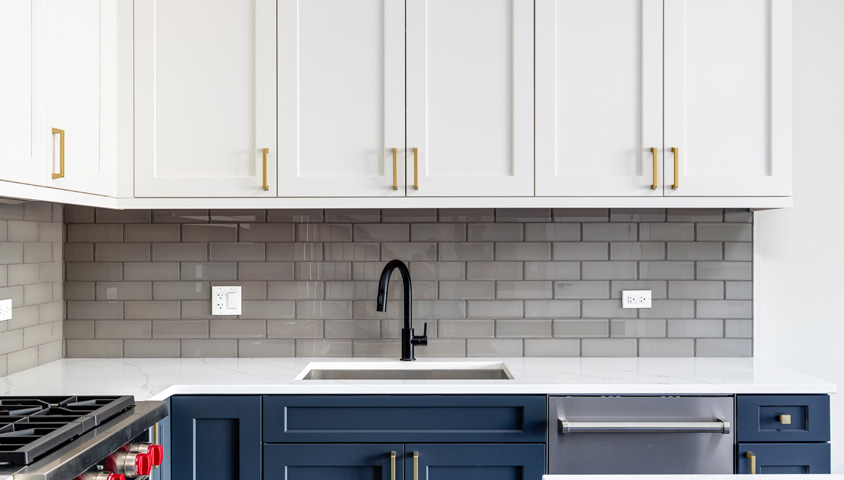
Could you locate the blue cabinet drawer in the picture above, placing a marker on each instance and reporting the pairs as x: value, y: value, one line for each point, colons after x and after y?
x: 416, y: 418
x: 784, y: 458
x: 782, y: 418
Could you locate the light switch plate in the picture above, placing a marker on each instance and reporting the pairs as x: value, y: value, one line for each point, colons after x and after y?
x: 6, y: 309
x: 636, y: 299
x: 225, y: 301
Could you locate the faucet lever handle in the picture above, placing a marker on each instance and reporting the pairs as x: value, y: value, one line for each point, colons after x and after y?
x: 421, y: 340
x: 425, y: 331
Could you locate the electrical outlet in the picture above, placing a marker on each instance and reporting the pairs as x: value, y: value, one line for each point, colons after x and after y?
x: 636, y: 299
x: 6, y: 309
x: 225, y: 301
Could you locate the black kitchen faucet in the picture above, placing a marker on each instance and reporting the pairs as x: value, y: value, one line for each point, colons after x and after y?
x: 408, y: 339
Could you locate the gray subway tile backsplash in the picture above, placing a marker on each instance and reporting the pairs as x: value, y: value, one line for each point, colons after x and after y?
x: 506, y: 282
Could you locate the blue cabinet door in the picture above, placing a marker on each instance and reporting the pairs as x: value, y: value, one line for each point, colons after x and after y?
x: 474, y: 461
x: 333, y: 462
x: 784, y: 458
x: 216, y: 437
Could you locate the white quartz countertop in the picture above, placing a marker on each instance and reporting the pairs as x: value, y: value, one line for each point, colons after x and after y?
x: 826, y: 476
x: 159, y: 378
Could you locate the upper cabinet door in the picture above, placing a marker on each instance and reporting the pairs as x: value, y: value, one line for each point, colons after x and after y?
x: 728, y: 97
x: 341, y: 98
x: 205, y: 98
x: 470, y: 98
x: 81, y: 130
x: 22, y: 104
x: 598, y: 98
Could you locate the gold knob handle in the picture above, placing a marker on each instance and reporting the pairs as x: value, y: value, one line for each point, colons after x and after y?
x: 676, y: 152
x: 656, y: 181
x: 265, y: 151
x: 415, y: 168
x: 785, y: 419
x: 752, y: 458
x: 61, y: 153
x: 415, y: 464
x: 393, y: 460
x: 395, y: 171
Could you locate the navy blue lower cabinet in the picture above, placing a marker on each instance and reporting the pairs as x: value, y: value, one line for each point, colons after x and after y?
x: 474, y: 461
x: 342, y: 461
x: 215, y: 437
x: 784, y: 458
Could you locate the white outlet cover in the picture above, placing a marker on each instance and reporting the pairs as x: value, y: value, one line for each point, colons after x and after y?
x: 636, y: 299
x: 6, y: 309
x: 225, y: 301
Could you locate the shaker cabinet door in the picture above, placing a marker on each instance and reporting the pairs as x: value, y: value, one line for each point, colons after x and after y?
x: 205, y: 98
x: 470, y: 98
x: 599, y: 98
x: 341, y: 98
x: 728, y: 97
x: 474, y: 461
x: 333, y: 461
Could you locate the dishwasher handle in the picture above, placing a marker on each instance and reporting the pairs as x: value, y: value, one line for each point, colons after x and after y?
x: 718, y: 426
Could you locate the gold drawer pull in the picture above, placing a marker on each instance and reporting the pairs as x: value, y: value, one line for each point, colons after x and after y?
x: 656, y: 181
x: 60, y: 132
x: 676, y: 152
x: 785, y: 419
x: 393, y: 455
x: 415, y: 168
x: 395, y: 172
x: 265, y: 151
x: 752, y: 458
x: 415, y: 464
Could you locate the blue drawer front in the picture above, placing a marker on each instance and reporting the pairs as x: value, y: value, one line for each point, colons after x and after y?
x: 758, y: 418
x: 784, y: 458
x: 476, y: 462
x: 331, y: 461
x: 335, y: 419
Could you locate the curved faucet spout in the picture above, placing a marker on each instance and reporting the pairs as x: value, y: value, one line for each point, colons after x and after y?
x: 408, y: 340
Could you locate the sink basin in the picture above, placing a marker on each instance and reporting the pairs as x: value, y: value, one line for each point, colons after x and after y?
x: 405, y: 371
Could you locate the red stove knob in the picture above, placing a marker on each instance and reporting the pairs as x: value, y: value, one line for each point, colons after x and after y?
x: 130, y: 464
x: 116, y: 476
x: 100, y: 476
x: 155, y: 452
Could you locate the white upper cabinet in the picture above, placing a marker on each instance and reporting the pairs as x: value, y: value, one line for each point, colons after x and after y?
x: 598, y: 97
x: 470, y: 98
x: 81, y: 95
x: 205, y: 98
x: 22, y: 103
x: 341, y: 98
x: 728, y: 97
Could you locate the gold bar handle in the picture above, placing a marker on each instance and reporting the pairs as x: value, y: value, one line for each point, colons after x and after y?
x: 393, y: 455
x: 415, y: 460
x: 676, y: 152
x: 395, y: 171
x: 415, y: 168
x: 752, y: 458
x: 265, y: 151
x: 61, y: 153
x: 656, y: 181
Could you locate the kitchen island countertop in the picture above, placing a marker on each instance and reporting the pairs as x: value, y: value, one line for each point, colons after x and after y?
x: 822, y: 476
x: 159, y: 378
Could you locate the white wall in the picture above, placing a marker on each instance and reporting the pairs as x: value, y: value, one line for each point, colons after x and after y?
x: 800, y: 251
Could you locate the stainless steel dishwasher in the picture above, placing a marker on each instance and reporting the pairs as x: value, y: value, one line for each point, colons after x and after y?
x: 640, y: 435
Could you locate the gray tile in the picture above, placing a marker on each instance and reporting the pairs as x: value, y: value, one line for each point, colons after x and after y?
x: 266, y: 348
x: 150, y: 271
x: 265, y: 271
x: 494, y: 270
x: 208, y: 270
x: 493, y: 309
x: 122, y: 252
x: 608, y: 347
x: 198, y: 309
x: 578, y: 251
x: 180, y: 216
x: 50, y: 352
x: 104, y: 215
x: 634, y: 328
x: 375, y: 348
x: 726, y: 347
x: 667, y: 270
x: 467, y: 215
x: 72, y: 214
x: 23, y: 317
x: 725, y: 232
x: 528, y: 289
x: 353, y: 252
x: 364, y: 215
x: 436, y: 271
x: 438, y: 232
x: 696, y: 328
x: 152, y: 233
x: 295, y: 216
x: 695, y: 215
x: 149, y: 310
x: 432, y: 310
x: 552, y: 270
x: 11, y: 341
x: 209, y: 232
x: 197, y: 348
x: 270, y: 232
x: 323, y: 348
x: 725, y: 308
x: 738, y: 215
x: 357, y: 290
x: 38, y: 212
x: 552, y: 347
x: 317, y: 310
x: 371, y: 271
x: 180, y: 329
x: 408, y: 215
x: 382, y: 232
x: 42, y: 334
x: 238, y: 328
x: 523, y: 328
x: 79, y: 252
x: 724, y: 271
x: 182, y: 291
x: 50, y: 272
x: 581, y: 328
x: 662, y: 232
x: 94, y: 348
x: 612, y: 232
x: 695, y: 250
x: 466, y: 251
x: 22, y: 231
x: 297, y: 290
x: 739, y: 290
x: 575, y: 290
x: 242, y: 216
x: 552, y: 309
x: 523, y: 251
x: 659, y: 290
x: 4, y: 275
x: 152, y: 348
x: 94, y: 233
x: 352, y: 328
x: 409, y: 251
x: 607, y: 309
x: 466, y: 328
x: 499, y: 347
x: 495, y: 232
x: 13, y: 293
x: 552, y: 232
x: 738, y: 328
x: 270, y: 309
x: 37, y: 252
x: 463, y: 290
x: 23, y: 274
x: 298, y: 328
x: 50, y: 232
x: 50, y: 312
x: 581, y: 215
x: 123, y: 329
x: 655, y: 347
x: 124, y: 291
x: 608, y: 270
x: 443, y: 348
x: 694, y: 290
x: 523, y: 215
x: 669, y: 309
x: 86, y: 310
x: 4, y: 231
x: 302, y: 252
x: 738, y: 251
x: 13, y: 253
x: 242, y: 252
x: 323, y: 271
x: 324, y: 232
x: 185, y: 252
x: 79, y: 291
x: 637, y: 215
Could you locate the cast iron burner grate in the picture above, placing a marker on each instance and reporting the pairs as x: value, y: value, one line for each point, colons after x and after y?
x: 30, y: 427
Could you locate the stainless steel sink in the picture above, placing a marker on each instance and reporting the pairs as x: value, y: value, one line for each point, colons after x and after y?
x: 405, y: 371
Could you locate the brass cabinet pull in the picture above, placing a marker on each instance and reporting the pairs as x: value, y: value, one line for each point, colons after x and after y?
x: 676, y: 152
x: 752, y: 458
x: 415, y: 168
x: 61, y: 153
x: 656, y: 181
x: 265, y: 151
x: 785, y: 419
x: 415, y: 460
x: 395, y: 172
x: 393, y: 455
